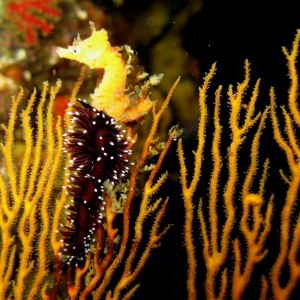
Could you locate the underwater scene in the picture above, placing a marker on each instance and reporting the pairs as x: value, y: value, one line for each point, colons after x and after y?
x: 149, y: 149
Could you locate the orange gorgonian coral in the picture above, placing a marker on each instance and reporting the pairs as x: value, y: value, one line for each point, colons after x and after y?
x: 34, y: 210
x: 234, y: 215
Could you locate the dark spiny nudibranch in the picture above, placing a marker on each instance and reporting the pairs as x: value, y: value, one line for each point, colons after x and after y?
x: 98, y: 152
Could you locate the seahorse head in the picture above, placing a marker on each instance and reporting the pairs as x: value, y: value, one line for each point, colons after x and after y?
x: 89, y: 51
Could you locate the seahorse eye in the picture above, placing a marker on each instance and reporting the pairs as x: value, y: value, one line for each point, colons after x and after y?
x: 75, y: 50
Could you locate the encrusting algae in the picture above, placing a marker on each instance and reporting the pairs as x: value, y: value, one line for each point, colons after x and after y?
x: 33, y: 211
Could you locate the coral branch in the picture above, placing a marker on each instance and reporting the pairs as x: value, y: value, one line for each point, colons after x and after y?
x: 289, y: 229
x: 31, y: 15
x: 30, y: 197
x: 189, y: 190
x: 130, y: 197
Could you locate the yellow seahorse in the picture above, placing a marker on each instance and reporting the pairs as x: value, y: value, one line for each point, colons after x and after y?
x: 109, y: 96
